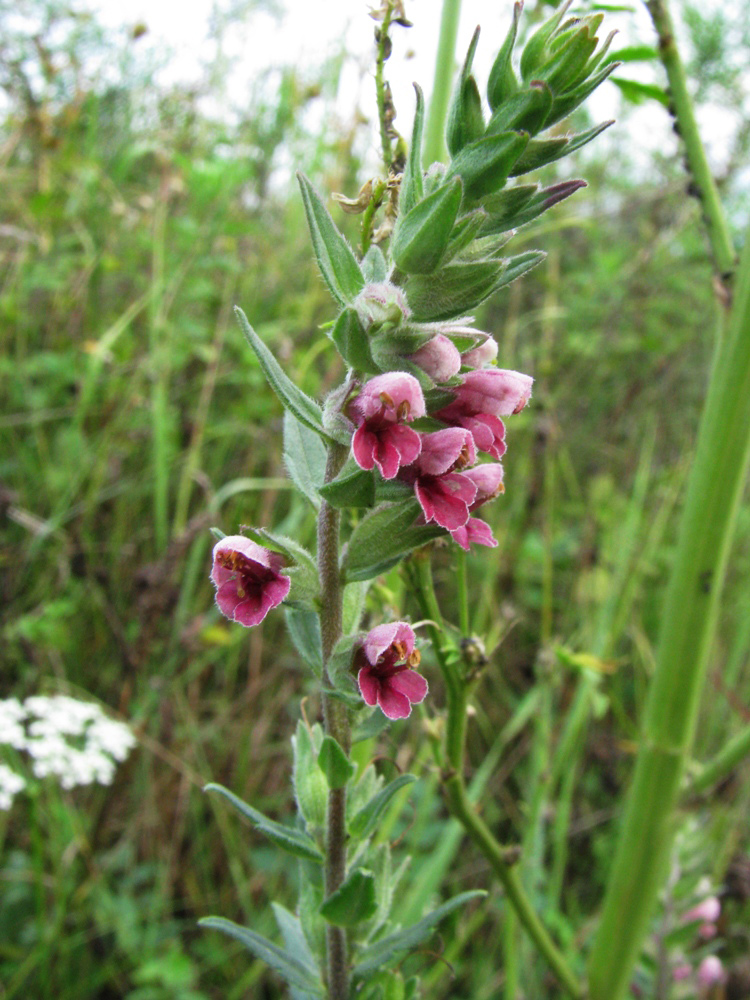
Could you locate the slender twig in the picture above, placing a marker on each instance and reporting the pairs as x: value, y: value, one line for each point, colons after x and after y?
x: 501, y: 858
x: 337, y: 724
x: 703, y: 184
x: 689, y: 619
x: 731, y: 756
x: 381, y: 87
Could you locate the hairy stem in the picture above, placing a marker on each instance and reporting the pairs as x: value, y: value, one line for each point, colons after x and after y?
x: 702, y: 179
x: 688, y: 626
x: 434, y: 142
x: 337, y: 724
x: 381, y: 88
x: 501, y: 858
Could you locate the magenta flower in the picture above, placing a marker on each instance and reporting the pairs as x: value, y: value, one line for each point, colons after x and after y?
x: 247, y: 580
x: 443, y: 492
x: 481, y: 399
x: 474, y: 532
x: 439, y: 358
x: 387, y: 678
x: 488, y: 479
x: 382, y: 439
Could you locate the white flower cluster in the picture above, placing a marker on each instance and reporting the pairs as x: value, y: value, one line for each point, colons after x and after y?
x: 72, y: 740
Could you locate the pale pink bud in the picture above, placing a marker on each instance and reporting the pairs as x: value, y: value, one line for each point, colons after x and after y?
x: 708, y: 911
x: 439, y: 358
x: 710, y: 971
x: 481, y: 355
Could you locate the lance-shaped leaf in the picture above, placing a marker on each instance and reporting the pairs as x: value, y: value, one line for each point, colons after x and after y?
x: 353, y: 902
x: 310, y: 786
x: 336, y: 261
x: 293, y: 841
x: 412, y: 182
x: 527, y: 110
x: 543, y: 200
x: 564, y: 105
x: 518, y: 265
x: 502, y: 82
x: 564, y: 69
x: 485, y: 165
x: 352, y: 342
x: 334, y: 763
x: 540, y: 152
x: 296, y: 944
x: 353, y: 487
x: 288, y: 966
x: 422, y: 235
x: 465, y: 118
x: 382, y: 951
x: 503, y: 208
x: 303, y: 626
x: 383, y: 537
x: 363, y: 823
x: 452, y: 291
x: 467, y: 227
x: 293, y: 399
x: 535, y: 50
x: 304, y: 458
x: 374, y: 265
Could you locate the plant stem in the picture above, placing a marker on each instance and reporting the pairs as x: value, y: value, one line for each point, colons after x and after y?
x: 501, y: 858
x: 434, y: 142
x: 723, y: 763
x: 688, y: 626
x: 681, y: 107
x: 336, y: 718
x: 381, y: 89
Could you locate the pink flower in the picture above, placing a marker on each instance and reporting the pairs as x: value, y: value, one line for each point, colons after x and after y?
x: 710, y: 971
x: 247, y: 580
x: 386, y: 679
x: 482, y: 398
x: 439, y: 358
x: 444, y: 493
x: 708, y: 911
x: 484, y: 354
x: 682, y: 971
x: 475, y: 531
x: 380, y: 409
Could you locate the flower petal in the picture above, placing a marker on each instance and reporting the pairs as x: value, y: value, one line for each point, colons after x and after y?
x: 394, y: 704
x: 442, y: 449
x: 411, y: 684
x: 369, y: 686
x: 382, y: 637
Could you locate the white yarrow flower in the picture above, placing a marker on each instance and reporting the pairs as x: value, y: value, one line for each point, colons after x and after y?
x: 10, y: 784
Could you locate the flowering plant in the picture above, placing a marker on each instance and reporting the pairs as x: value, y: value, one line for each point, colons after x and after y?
x: 402, y: 453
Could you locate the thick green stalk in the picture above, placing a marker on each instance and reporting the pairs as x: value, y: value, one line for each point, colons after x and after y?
x: 682, y: 108
x: 688, y: 626
x: 434, y: 140
x: 337, y: 724
x: 502, y: 859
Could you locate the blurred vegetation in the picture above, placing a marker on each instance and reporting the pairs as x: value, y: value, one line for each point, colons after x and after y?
x: 133, y: 418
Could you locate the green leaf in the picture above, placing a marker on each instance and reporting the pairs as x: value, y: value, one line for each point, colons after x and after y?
x: 352, y: 902
x: 383, y: 537
x: 527, y: 110
x: 563, y: 106
x: 374, y: 956
x: 353, y: 487
x: 422, y: 235
x: 291, y: 969
x: 304, y: 409
x: 504, y: 207
x: 304, y: 631
x: 374, y: 265
x: 304, y: 458
x: 485, y: 165
x: 355, y: 595
x: 465, y: 117
x: 452, y: 291
x: 633, y: 53
x: 290, y: 840
x: 364, y: 822
x: 516, y: 266
x: 294, y: 939
x: 336, y: 261
x: 502, y: 82
x: 334, y: 763
x: 310, y: 786
x: 352, y: 342
x: 412, y: 183
x: 467, y: 227
x: 540, y: 152
x: 545, y: 199
x: 637, y: 93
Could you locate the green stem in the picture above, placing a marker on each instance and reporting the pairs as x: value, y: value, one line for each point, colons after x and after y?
x: 434, y: 141
x: 462, y: 588
x: 501, y: 858
x: 688, y: 627
x: 381, y: 88
x: 682, y: 109
x: 337, y: 723
x: 721, y: 766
